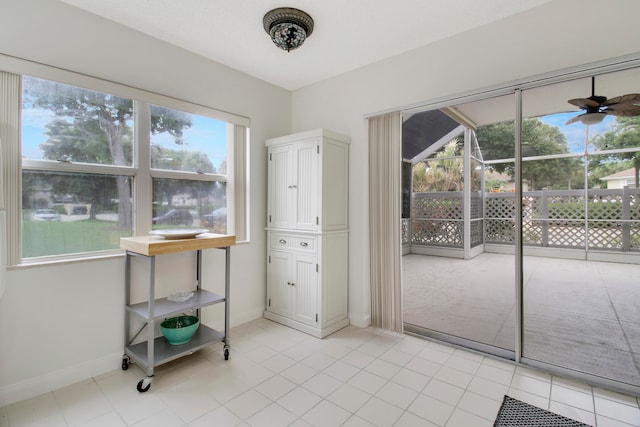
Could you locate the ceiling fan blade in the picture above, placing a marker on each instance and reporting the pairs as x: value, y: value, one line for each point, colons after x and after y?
x: 584, y: 103
x: 631, y: 98
x: 623, y: 110
x: 574, y: 119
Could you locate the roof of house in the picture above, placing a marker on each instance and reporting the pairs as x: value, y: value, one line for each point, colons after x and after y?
x: 422, y: 130
x: 627, y: 173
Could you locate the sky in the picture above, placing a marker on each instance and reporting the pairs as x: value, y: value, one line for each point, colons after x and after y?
x: 205, y: 135
x: 33, y: 122
x: 576, y: 133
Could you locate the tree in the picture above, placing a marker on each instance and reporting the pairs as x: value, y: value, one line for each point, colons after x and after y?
x: 165, y: 158
x: 442, y: 173
x: 164, y: 190
x: 82, y: 141
x: 497, y: 141
x: 625, y: 134
x: 94, y: 127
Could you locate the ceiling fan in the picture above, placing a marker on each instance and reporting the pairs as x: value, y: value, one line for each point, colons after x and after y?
x: 597, y: 107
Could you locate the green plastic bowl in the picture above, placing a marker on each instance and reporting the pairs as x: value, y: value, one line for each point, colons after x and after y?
x: 179, y: 330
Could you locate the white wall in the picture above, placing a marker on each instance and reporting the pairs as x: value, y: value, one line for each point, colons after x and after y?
x: 63, y: 323
x: 557, y: 35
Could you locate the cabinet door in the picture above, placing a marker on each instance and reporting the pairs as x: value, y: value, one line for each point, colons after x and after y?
x: 306, y: 162
x: 305, y: 289
x: 280, y: 187
x: 279, y: 283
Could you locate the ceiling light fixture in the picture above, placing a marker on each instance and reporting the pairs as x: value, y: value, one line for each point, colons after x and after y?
x: 288, y: 27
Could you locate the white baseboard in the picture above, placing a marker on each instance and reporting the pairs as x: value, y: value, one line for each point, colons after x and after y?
x: 58, y: 379
x: 245, y: 317
x: 316, y: 332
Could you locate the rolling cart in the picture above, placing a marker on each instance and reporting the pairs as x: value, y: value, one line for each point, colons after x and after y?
x: 155, y: 351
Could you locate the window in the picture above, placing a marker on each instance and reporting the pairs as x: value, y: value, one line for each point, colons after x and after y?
x: 99, y: 162
x: 70, y: 136
x: 66, y: 213
x: 71, y: 124
x: 182, y: 141
x: 187, y: 203
x: 194, y: 149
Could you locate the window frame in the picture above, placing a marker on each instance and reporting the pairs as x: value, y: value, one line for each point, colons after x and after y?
x: 236, y: 177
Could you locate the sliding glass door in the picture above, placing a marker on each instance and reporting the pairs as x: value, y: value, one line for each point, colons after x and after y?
x: 452, y: 288
x: 581, y: 232
x: 530, y: 253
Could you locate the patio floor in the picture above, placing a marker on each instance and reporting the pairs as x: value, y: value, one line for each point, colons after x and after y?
x: 580, y: 315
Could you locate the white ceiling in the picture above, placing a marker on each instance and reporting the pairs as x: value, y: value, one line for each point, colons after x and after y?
x: 348, y: 34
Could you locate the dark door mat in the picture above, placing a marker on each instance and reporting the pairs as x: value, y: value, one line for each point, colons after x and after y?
x: 514, y: 413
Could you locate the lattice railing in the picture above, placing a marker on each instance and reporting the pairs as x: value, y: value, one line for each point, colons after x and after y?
x: 437, y: 233
x: 405, y: 224
x: 501, y: 230
x: 558, y: 219
x: 437, y: 219
x: 477, y: 235
x: 437, y: 205
x: 606, y: 219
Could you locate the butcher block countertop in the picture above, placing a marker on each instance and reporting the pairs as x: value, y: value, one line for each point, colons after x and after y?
x: 157, y: 245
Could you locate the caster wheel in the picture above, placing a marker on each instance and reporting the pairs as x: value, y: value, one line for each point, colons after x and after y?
x: 226, y: 354
x: 144, y: 385
x: 125, y: 363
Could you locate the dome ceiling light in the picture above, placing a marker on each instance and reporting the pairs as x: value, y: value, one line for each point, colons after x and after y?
x: 288, y: 27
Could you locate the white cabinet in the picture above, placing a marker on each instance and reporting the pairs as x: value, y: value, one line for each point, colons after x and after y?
x: 308, y: 182
x: 294, y: 290
x: 293, y: 186
x: 307, y: 228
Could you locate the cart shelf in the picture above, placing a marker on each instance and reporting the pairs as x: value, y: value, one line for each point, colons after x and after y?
x: 163, y: 307
x: 165, y: 352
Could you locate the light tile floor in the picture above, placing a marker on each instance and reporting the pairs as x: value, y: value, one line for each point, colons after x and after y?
x: 277, y: 376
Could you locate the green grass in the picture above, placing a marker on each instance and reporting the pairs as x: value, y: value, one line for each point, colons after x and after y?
x: 43, y: 238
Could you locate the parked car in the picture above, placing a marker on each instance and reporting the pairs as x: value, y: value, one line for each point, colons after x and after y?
x: 217, y: 217
x: 46, y: 215
x: 79, y: 210
x: 175, y: 217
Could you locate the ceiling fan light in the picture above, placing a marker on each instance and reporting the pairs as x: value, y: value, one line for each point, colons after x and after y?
x: 288, y: 27
x: 592, y: 118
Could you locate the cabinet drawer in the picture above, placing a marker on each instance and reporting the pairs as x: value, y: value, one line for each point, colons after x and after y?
x: 293, y: 242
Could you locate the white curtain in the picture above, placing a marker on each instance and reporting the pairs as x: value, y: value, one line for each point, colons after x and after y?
x: 385, y: 157
x: 10, y: 88
x: 240, y: 183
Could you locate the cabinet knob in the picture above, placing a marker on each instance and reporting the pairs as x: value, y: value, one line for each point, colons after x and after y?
x: 282, y: 241
x: 304, y: 244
